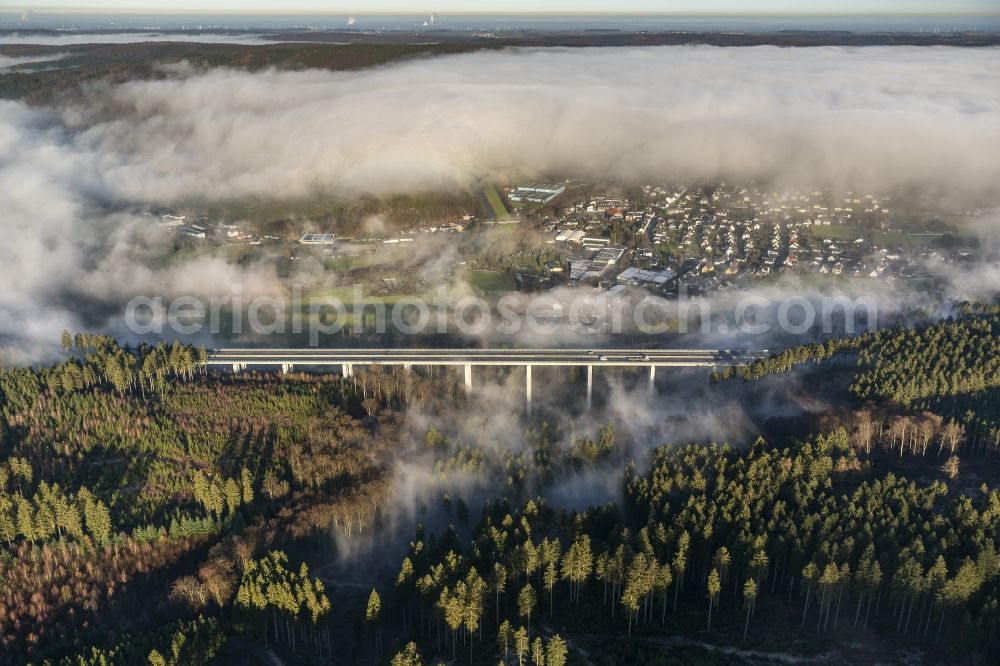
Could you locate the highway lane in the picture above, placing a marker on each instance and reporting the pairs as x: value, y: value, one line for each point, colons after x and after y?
x: 484, y: 357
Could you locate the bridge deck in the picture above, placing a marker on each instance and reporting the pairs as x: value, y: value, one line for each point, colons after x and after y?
x: 484, y: 357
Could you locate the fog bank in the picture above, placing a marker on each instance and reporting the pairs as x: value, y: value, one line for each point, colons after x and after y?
x: 877, y: 118
x: 916, y: 119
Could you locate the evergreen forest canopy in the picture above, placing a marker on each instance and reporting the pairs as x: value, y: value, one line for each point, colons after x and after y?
x: 152, y: 512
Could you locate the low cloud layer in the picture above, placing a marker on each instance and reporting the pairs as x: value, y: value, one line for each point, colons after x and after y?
x: 925, y: 120
x: 880, y: 118
x: 14, y: 61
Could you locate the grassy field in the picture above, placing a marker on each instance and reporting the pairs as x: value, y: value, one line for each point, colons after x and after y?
x: 902, y: 238
x: 345, y: 294
x: 327, y: 213
x: 822, y: 281
x: 267, y: 210
x: 490, y: 281
x: 501, y: 233
x: 496, y: 203
x: 837, y: 232
x: 851, y: 232
x: 342, y: 264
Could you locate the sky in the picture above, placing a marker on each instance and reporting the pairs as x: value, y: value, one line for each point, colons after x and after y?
x: 515, y: 6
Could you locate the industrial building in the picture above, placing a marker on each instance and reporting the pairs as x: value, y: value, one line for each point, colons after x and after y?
x: 595, y: 242
x: 637, y: 277
x: 318, y: 239
x: 192, y: 231
x: 537, y: 192
x: 597, y: 267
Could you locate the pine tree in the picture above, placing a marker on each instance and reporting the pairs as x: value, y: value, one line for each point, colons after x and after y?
x: 577, y: 565
x: 8, y: 524
x: 372, y: 612
x: 749, y: 597
x: 950, y: 467
x: 98, y: 520
x: 549, y: 580
x: 680, y: 562
x: 526, y: 600
x: 521, y: 644
x: 538, y: 652
x: 246, y: 486
x: 25, y: 521
x: 499, y: 584
x: 556, y: 652
x: 809, y: 575
x: 409, y: 656
x: 714, y: 588
x: 504, y: 636
x: 232, y: 494
x: 67, y: 341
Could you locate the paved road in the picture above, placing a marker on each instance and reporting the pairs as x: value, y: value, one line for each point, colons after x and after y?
x: 484, y: 357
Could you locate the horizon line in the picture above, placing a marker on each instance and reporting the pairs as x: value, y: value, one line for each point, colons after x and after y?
x: 643, y: 14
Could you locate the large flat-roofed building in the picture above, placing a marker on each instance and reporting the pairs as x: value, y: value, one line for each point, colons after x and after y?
x: 537, y: 192
x: 594, y: 241
x: 638, y: 277
x: 577, y: 269
x: 192, y: 232
x: 172, y: 221
x: 318, y: 239
x: 607, y: 257
x: 595, y: 268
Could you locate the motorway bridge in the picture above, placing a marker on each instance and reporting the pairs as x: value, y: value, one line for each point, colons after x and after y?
x: 348, y: 359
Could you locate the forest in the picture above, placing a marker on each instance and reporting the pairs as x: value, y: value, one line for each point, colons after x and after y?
x: 80, y: 65
x: 152, y: 512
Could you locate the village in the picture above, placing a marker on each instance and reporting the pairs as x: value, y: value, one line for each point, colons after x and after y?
x: 670, y: 240
x: 698, y: 239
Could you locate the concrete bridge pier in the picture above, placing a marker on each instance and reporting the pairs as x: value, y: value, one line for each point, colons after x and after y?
x: 468, y: 376
x: 348, y: 370
x: 590, y: 387
x: 286, y: 368
x: 652, y: 379
x: 527, y: 382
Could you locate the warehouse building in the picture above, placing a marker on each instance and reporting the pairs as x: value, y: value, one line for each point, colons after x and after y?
x: 537, y: 192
